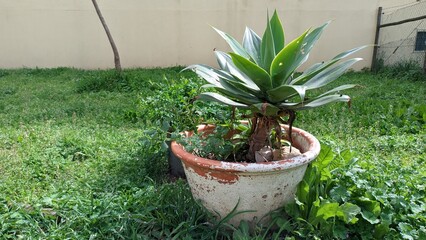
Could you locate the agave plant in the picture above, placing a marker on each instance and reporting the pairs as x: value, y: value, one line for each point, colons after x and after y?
x: 260, y: 75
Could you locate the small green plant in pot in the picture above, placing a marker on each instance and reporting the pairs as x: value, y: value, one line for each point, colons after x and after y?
x: 259, y: 76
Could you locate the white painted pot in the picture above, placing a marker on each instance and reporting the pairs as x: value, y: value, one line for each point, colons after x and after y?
x: 257, y: 187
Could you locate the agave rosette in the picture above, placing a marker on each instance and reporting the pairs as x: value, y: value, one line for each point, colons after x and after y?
x: 259, y: 73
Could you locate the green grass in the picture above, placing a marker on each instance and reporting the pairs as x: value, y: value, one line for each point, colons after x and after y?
x: 81, y: 153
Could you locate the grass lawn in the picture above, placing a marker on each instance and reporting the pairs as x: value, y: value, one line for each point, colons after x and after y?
x: 82, y: 155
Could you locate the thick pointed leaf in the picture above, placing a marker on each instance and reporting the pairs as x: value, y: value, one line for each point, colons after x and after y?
x: 267, y: 48
x: 242, y: 87
x: 222, y: 59
x: 307, y: 45
x: 285, y: 92
x: 251, y: 43
x: 238, y: 91
x: 234, y: 44
x: 205, y: 72
x: 287, y: 61
x: 265, y: 109
x: 326, y: 100
x: 259, y: 76
x: 277, y: 33
x: 319, y: 67
x: 314, y: 103
x: 313, y: 36
x: 349, y: 52
x: 330, y: 74
x: 232, y: 90
x: 338, y: 89
x: 228, y: 65
x: 209, y: 96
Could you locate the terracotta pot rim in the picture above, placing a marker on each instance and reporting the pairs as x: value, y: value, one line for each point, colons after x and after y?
x: 307, y: 156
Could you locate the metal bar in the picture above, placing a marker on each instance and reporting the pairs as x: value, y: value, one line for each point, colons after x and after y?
x: 403, y: 21
x: 376, y: 40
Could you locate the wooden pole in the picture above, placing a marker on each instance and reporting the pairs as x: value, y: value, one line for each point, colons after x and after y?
x: 376, y: 40
x: 403, y: 21
x: 110, y: 39
x: 424, y: 63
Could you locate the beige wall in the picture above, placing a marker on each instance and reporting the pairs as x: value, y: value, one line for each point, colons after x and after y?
x: 52, y: 33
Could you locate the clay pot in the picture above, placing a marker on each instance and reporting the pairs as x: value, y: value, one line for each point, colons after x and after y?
x: 256, y: 187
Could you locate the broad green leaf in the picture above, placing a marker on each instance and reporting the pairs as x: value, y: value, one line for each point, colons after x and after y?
x: 370, y: 217
x: 327, y: 210
x: 266, y: 109
x: 285, y: 92
x: 348, y: 212
x: 267, y: 48
x: 234, y: 44
x: 303, y: 191
x: 339, y: 193
x: 330, y: 74
x: 256, y: 74
x: 209, y: 96
x: 286, y: 61
x: 347, y: 156
x: 369, y: 205
x: 325, y: 157
x: 277, y: 33
x: 251, y: 43
x: 381, y: 230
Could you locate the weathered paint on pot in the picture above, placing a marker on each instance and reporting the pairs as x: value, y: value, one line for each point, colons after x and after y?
x: 256, y: 187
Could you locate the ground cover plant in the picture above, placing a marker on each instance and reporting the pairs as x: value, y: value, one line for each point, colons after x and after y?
x: 82, y: 157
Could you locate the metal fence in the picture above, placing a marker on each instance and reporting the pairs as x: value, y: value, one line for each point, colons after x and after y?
x: 401, y: 36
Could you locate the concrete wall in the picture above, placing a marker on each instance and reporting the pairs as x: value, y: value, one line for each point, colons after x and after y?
x: 53, y: 33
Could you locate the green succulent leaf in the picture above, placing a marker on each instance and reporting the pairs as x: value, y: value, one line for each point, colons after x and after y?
x: 287, y: 61
x: 319, y: 67
x: 265, y: 109
x: 325, y: 100
x: 234, y: 44
x: 256, y: 74
x: 229, y: 66
x: 338, y: 89
x: 238, y: 91
x: 210, y: 96
x: 349, y: 52
x: 205, y: 72
x: 277, y: 33
x: 330, y: 74
x: 285, y: 92
x: 267, y: 48
x: 308, y: 43
x: 251, y: 43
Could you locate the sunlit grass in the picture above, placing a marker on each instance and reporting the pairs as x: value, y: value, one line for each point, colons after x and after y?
x: 72, y: 163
